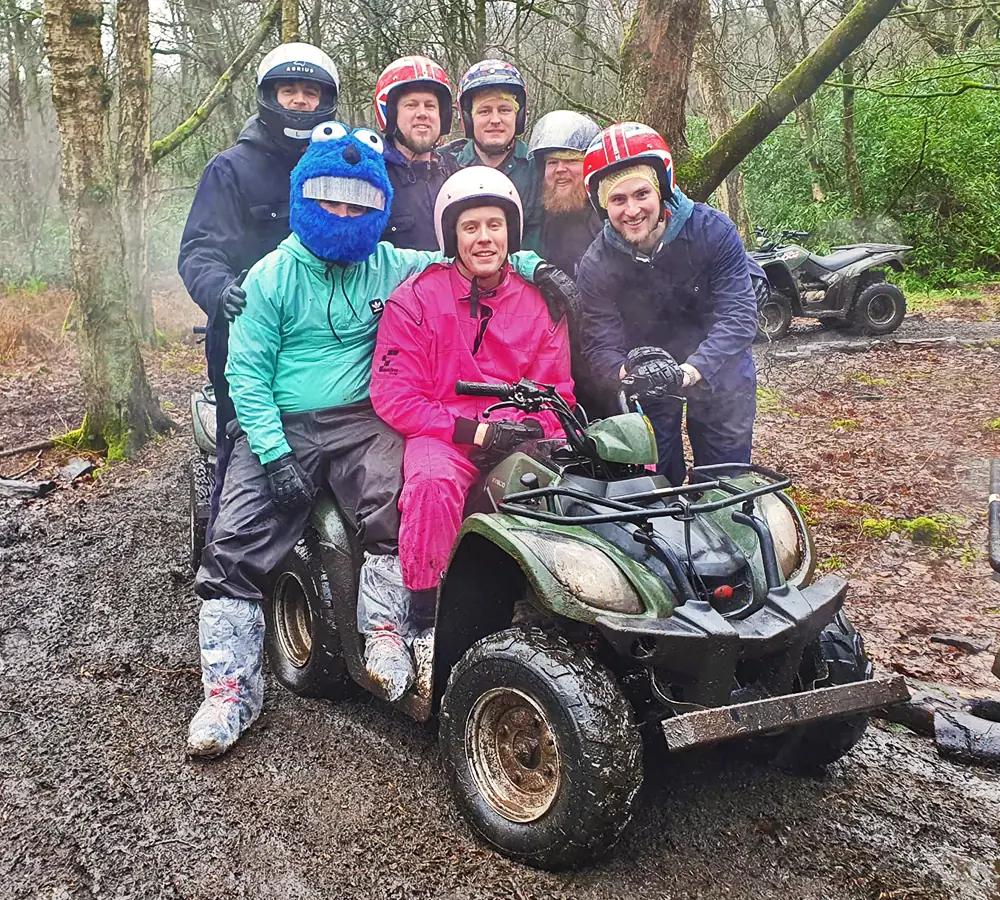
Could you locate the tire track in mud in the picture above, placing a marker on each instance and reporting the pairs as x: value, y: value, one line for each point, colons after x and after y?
x: 97, y: 647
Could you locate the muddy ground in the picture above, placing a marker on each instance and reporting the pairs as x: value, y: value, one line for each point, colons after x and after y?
x: 98, y: 678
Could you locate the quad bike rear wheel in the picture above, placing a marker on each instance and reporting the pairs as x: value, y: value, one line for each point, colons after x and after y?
x: 301, y: 637
x: 837, y: 657
x: 879, y: 309
x: 540, y: 748
x: 774, y: 317
x: 201, y: 481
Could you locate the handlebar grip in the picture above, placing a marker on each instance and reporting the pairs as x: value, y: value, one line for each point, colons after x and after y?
x: 479, y: 389
x: 994, y: 515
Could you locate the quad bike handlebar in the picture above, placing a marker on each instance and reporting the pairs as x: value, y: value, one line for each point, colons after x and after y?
x: 501, y: 391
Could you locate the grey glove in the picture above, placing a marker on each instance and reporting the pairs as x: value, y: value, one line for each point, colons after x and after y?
x: 652, y: 372
x: 233, y: 298
x: 502, y: 438
x: 291, y: 485
x: 558, y: 290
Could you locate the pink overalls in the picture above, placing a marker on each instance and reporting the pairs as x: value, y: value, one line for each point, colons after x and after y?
x: 428, y: 340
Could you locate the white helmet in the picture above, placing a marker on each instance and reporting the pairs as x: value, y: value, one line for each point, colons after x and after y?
x: 471, y: 187
x: 296, y: 62
x: 562, y: 129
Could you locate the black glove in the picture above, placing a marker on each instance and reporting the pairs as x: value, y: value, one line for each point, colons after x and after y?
x: 652, y: 372
x: 502, y: 438
x: 233, y: 299
x: 291, y: 487
x: 558, y: 290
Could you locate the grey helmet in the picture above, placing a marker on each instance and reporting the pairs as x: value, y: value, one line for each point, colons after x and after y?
x: 562, y: 129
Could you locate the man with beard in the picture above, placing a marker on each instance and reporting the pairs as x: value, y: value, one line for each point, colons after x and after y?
x: 413, y: 108
x: 673, y: 273
x: 569, y: 223
x: 493, y: 101
x: 240, y: 210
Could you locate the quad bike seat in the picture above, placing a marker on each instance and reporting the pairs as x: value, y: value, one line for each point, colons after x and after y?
x: 841, y: 258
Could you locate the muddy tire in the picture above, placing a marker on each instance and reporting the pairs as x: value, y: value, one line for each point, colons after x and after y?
x: 838, y: 657
x: 774, y: 318
x: 540, y: 748
x: 201, y: 481
x: 878, y: 309
x: 301, y: 637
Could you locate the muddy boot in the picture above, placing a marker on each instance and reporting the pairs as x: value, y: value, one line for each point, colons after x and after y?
x: 231, y: 634
x: 389, y: 663
x: 423, y: 655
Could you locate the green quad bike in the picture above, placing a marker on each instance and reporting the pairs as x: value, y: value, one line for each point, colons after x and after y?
x: 587, y: 601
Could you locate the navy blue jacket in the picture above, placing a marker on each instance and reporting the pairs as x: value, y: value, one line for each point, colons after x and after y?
x: 566, y: 237
x: 415, y: 186
x: 239, y: 215
x: 691, y: 296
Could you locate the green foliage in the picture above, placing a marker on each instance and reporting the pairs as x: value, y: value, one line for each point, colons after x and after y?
x: 933, y: 531
x: 930, y: 171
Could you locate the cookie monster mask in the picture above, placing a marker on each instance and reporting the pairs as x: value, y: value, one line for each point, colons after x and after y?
x: 340, y: 166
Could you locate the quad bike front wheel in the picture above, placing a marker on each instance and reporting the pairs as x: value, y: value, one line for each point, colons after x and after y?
x: 301, y: 637
x: 540, y: 748
x: 879, y: 309
x: 774, y: 317
x: 201, y: 481
x: 837, y: 657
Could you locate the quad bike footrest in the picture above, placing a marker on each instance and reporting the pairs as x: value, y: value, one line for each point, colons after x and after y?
x: 742, y: 720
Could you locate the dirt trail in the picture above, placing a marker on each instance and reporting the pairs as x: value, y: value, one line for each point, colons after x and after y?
x: 97, y: 682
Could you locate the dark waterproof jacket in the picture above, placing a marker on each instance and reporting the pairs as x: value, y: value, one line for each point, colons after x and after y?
x: 415, y: 186
x: 239, y: 215
x: 692, y: 297
x: 519, y: 169
x: 566, y: 237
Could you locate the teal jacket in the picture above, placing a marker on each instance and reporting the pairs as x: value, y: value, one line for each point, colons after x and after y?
x: 306, y: 337
x: 525, y: 175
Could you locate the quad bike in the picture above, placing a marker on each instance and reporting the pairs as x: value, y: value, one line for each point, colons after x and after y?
x: 846, y: 288
x: 588, y: 602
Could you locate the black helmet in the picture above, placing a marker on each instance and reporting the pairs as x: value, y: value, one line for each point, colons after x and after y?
x: 295, y: 62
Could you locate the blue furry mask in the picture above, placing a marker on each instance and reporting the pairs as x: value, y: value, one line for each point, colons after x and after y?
x: 340, y: 166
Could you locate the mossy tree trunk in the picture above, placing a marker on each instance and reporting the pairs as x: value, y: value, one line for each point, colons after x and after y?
x: 134, y: 161
x: 121, y: 412
x: 656, y: 64
x: 703, y: 175
x: 290, y: 21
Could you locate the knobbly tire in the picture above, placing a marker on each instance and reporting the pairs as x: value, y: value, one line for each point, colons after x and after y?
x: 201, y: 480
x: 540, y: 748
x: 774, y: 317
x: 878, y: 309
x: 809, y: 749
x: 300, y: 636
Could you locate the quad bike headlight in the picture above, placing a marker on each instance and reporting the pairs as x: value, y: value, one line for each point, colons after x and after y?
x: 585, y: 572
x: 791, y: 542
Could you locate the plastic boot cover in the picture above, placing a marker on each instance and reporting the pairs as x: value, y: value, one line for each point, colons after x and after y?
x: 383, y: 600
x: 231, y: 634
x: 423, y: 655
x: 389, y: 663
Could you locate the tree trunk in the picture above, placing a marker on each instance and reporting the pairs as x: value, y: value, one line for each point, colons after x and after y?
x: 289, y: 21
x: 26, y: 201
x: 480, y: 28
x: 121, y: 412
x: 656, y: 63
x: 729, y: 195
x: 134, y: 96
x: 852, y: 173
x: 706, y: 173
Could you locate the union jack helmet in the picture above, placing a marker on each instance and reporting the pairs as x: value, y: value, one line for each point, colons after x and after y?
x: 492, y: 73
x: 411, y: 72
x: 623, y: 145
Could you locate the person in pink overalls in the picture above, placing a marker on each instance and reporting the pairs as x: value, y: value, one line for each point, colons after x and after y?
x: 473, y: 319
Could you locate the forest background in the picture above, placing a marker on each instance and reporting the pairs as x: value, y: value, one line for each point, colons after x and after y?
x: 901, y: 143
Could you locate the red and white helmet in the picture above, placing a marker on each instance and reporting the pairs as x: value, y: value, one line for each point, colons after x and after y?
x: 411, y: 72
x: 471, y: 187
x: 623, y: 145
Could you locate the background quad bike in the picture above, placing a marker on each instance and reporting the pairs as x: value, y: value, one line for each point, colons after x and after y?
x: 846, y: 289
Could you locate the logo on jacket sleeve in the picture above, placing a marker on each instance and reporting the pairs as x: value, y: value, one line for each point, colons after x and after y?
x: 376, y: 306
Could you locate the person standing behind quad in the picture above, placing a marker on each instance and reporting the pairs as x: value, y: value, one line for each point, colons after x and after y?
x: 558, y: 143
x: 493, y: 102
x: 670, y: 272
x: 240, y: 210
x: 413, y: 108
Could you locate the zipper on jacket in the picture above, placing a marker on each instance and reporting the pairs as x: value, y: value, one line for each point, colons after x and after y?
x: 329, y: 302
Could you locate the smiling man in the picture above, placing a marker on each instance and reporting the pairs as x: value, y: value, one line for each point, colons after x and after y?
x: 669, y: 272
x: 472, y: 320
x: 413, y: 106
x: 493, y: 102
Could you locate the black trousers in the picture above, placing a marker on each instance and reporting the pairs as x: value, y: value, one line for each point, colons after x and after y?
x: 346, y: 449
